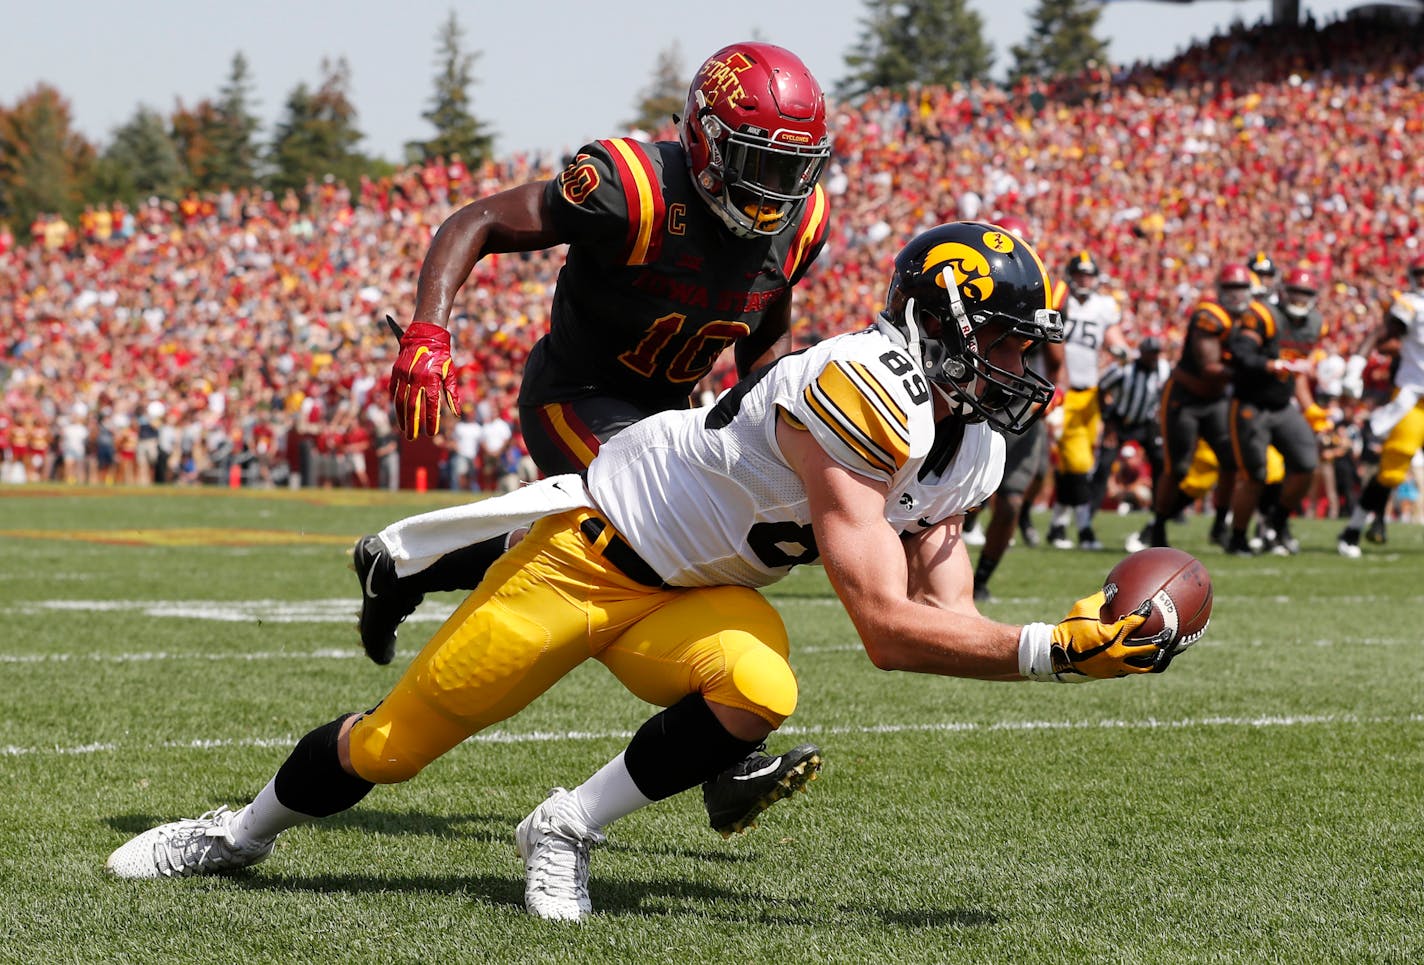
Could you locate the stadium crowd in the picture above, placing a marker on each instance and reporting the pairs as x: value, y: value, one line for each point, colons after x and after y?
x: 240, y: 336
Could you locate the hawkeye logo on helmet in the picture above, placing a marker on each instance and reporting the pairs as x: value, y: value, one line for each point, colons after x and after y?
x: 969, y: 268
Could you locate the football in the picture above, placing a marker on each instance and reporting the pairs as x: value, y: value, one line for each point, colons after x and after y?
x: 1179, y: 587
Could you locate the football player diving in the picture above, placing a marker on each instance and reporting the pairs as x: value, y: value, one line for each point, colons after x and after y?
x: 861, y: 453
x: 676, y: 250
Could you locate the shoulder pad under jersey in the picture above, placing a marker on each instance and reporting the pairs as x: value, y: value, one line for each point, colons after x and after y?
x: 611, y: 195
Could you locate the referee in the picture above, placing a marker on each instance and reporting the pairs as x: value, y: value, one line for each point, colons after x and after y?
x: 1129, y: 393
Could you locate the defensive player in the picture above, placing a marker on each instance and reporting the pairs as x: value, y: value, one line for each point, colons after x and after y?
x: 1270, y: 359
x: 1091, y: 324
x: 676, y: 250
x: 863, y: 451
x: 1400, y: 422
x: 1194, y: 405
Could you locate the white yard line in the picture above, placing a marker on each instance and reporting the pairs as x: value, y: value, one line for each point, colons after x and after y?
x: 941, y: 727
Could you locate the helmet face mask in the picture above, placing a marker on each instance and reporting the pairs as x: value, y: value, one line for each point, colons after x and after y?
x: 968, y: 300
x: 1233, y: 288
x: 1082, y: 276
x: 1298, y: 294
x: 755, y: 136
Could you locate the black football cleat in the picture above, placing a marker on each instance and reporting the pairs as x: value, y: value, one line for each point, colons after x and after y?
x: 739, y: 794
x: 383, y: 604
x: 1376, y: 532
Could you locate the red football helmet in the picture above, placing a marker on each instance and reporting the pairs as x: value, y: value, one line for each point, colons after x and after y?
x: 1233, y: 287
x: 1299, y: 289
x: 755, y: 135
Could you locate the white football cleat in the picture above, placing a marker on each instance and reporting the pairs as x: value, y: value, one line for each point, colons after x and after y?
x: 1135, y: 543
x: 554, y: 845
x: 196, y: 846
x: 1348, y: 550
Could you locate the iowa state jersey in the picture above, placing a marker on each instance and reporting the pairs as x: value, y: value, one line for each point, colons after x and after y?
x: 1282, y: 337
x: 653, y: 287
x: 706, y: 498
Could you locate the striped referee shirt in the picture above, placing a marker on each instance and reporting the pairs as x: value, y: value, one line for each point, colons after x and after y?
x: 1132, y: 393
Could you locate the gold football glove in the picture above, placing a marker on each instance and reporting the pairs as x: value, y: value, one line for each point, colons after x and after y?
x: 1083, y: 644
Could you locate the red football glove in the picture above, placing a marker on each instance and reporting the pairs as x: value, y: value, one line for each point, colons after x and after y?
x: 420, y: 376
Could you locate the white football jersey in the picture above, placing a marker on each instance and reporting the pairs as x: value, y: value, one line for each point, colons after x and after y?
x: 705, y: 497
x: 1408, y: 309
x: 1086, y: 325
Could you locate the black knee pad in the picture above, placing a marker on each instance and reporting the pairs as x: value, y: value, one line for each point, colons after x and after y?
x: 680, y: 748
x: 312, y: 781
x: 1073, y: 489
x: 1374, y: 498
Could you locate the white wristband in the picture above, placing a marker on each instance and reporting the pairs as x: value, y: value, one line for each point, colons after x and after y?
x: 1355, y: 367
x: 1036, y: 652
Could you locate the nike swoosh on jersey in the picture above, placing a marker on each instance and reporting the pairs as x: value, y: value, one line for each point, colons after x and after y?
x: 759, y: 772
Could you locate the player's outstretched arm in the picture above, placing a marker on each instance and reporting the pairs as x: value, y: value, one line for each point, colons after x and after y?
x: 870, y: 570
x: 867, y: 566
x: 422, y: 379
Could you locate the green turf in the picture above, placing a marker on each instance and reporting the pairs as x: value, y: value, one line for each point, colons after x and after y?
x: 1261, y: 802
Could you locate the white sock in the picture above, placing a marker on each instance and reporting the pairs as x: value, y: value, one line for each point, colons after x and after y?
x: 265, y: 818
x: 1085, y: 515
x: 1061, y: 515
x: 608, y: 795
x: 1359, y: 517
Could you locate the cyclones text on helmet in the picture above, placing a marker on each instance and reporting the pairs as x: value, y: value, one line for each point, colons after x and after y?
x: 967, y: 300
x: 755, y: 136
x: 1233, y: 287
x: 1300, y: 289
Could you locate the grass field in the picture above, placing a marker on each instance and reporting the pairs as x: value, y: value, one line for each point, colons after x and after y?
x: 1261, y: 802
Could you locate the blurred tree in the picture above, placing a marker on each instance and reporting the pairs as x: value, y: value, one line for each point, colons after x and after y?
x: 194, y: 133
x: 916, y: 42
x: 317, y: 135
x: 665, y: 95
x: 141, y: 160
x: 44, y: 163
x: 457, y: 130
x: 237, y: 157
x: 1061, y: 41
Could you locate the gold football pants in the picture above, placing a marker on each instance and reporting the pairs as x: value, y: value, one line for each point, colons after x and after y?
x: 1201, y: 478
x: 545, y: 607
x: 1082, y: 424
x: 1403, y: 441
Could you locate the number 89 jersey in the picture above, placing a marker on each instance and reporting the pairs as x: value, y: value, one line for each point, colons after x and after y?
x: 706, y: 498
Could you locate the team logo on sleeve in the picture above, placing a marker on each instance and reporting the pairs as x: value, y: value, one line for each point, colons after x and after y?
x: 579, y: 180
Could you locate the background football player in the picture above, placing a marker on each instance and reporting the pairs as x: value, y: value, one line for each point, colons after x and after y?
x: 676, y: 250
x: 1401, y: 422
x: 883, y: 438
x: 1270, y: 406
x: 1091, y: 327
x: 1194, y: 405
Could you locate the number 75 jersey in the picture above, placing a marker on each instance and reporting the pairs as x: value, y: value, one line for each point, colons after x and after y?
x: 706, y: 498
